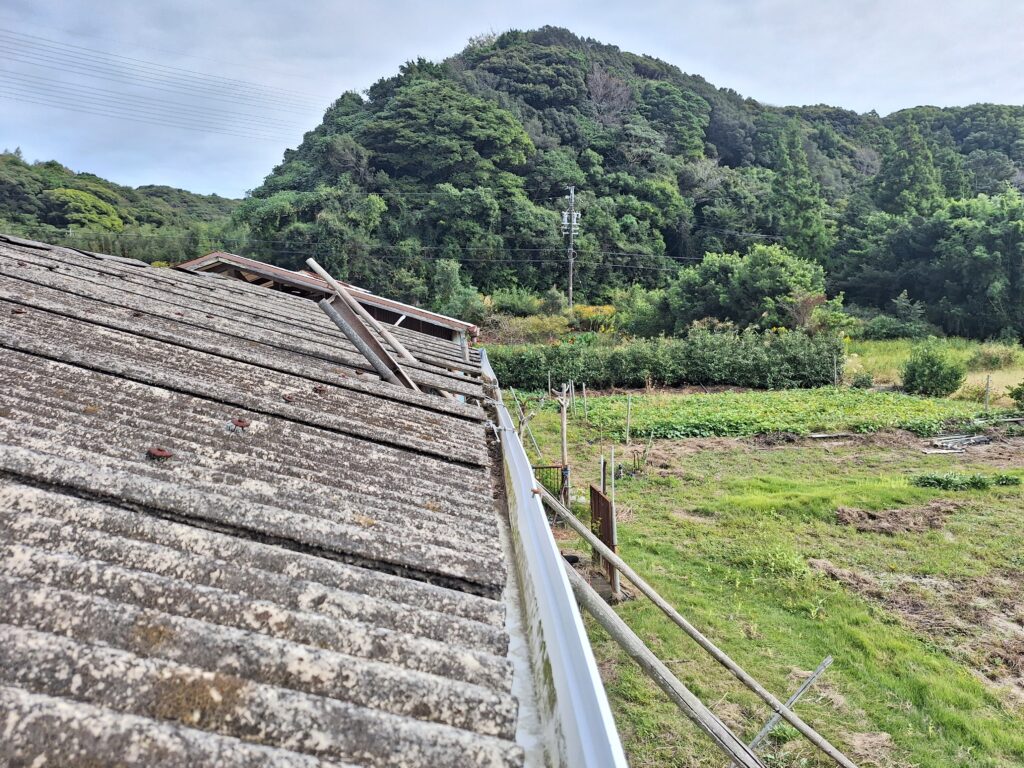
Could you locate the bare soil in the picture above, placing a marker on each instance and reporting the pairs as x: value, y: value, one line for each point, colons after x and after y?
x: 904, y: 520
x: 980, y: 621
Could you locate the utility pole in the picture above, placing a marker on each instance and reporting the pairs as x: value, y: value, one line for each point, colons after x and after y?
x: 571, y: 227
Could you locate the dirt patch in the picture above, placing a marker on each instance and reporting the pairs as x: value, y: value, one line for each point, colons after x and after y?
x: 979, y: 621
x: 776, y: 439
x: 563, y: 533
x: 858, y: 582
x: 871, y: 748
x: 692, y: 517
x: 668, y: 457
x: 918, y: 519
x: 1002, y: 452
x: 890, y: 438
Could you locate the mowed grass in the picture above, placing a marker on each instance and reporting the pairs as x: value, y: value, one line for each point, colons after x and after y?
x: 793, y: 411
x: 884, y: 359
x: 726, y: 532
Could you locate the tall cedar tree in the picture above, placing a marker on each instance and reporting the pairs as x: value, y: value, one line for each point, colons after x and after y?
x: 798, y: 209
x: 908, y: 184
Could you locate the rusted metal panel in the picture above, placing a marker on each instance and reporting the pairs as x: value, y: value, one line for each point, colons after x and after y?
x: 602, y: 525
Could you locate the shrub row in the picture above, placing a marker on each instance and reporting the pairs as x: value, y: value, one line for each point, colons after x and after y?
x: 765, y: 360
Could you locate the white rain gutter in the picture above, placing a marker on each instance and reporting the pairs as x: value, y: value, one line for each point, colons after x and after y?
x: 580, y: 730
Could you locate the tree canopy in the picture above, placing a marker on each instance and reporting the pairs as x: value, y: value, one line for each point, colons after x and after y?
x: 467, y: 160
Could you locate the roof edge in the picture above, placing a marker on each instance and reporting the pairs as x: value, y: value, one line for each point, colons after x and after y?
x: 314, y: 283
x: 565, y: 672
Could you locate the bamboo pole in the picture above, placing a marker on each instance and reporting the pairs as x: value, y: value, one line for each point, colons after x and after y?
x: 629, y: 414
x: 586, y: 413
x: 681, y: 696
x: 716, y: 653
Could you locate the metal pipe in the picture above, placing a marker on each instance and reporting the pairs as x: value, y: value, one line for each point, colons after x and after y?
x: 681, y: 696
x: 825, y: 664
x: 378, y: 365
x: 360, y: 310
x: 716, y: 653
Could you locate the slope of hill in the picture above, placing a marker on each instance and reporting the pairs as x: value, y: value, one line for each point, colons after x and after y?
x: 468, y: 159
x: 47, y: 201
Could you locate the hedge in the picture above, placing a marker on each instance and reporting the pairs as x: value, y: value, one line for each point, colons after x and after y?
x: 766, y: 360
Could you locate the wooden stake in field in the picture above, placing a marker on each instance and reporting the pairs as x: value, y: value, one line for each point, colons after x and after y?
x: 988, y: 391
x: 563, y: 402
x: 615, y: 583
x: 586, y: 413
x: 629, y: 414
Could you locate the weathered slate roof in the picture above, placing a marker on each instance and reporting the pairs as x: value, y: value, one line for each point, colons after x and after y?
x: 313, y: 577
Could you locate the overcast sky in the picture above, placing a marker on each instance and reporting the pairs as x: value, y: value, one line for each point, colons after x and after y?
x: 859, y: 54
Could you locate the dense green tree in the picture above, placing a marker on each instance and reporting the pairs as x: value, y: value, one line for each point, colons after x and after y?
x: 434, y: 131
x: 796, y: 203
x: 908, y: 183
x: 758, y: 288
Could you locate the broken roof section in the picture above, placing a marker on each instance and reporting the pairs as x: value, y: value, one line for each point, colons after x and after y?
x: 310, y: 286
x: 227, y: 542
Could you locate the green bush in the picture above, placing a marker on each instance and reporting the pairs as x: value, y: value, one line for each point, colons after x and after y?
x: 882, y: 327
x: 931, y: 371
x: 505, y: 329
x: 954, y: 481
x: 862, y: 380
x: 991, y: 357
x: 516, y: 301
x: 1017, y: 393
x: 748, y: 359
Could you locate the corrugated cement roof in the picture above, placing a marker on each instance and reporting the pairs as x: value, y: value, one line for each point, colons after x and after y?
x: 312, y: 577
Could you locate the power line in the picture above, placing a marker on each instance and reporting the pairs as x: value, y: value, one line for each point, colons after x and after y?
x: 78, y: 34
x: 90, y: 111
x: 98, y: 70
x: 154, y: 68
x: 129, y: 110
x: 45, y: 82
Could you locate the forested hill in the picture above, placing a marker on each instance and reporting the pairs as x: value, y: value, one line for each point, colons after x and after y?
x: 46, y: 201
x: 468, y: 159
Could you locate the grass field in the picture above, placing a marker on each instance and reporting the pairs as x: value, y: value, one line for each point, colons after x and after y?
x: 784, y: 555
x: 883, y: 359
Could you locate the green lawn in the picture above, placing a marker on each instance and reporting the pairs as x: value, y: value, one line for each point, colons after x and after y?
x: 921, y: 624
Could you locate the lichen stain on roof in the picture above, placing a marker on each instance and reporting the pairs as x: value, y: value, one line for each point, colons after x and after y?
x: 226, y: 542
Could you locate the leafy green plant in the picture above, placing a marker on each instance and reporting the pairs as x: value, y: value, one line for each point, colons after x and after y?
x: 798, y: 412
x: 862, y: 380
x: 1017, y: 393
x: 955, y: 481
x: 930, y: 370
x: 516, y: 301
